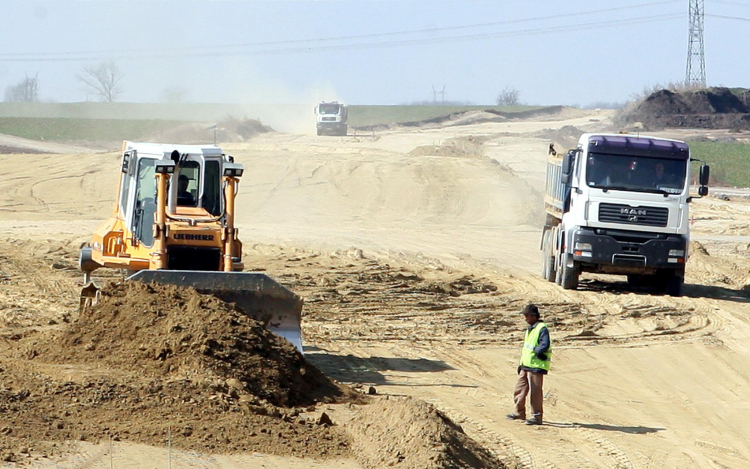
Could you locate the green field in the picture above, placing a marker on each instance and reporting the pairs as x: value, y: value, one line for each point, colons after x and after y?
x: 730, y: 162
x: 136, y: 121
x: 83, y: 129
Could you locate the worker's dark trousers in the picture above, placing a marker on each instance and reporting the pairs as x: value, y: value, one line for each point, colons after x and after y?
x: 529, y: 383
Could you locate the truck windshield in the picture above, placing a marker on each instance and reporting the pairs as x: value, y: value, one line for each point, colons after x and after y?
x: 635, y: 173
x: 329, y: 108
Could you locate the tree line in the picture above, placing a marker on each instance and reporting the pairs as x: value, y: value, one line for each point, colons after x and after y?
x: 103, y: 80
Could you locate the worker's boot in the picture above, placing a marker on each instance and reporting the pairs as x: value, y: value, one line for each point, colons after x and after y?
x: 533, y: 421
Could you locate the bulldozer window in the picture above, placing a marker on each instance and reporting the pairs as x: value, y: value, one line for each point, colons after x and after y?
x: 145, y: 202
x: 188, y: 182
x: 124, y: 192
x: 212, y: 188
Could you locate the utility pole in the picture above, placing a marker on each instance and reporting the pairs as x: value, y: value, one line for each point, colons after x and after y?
x: 695, y: 74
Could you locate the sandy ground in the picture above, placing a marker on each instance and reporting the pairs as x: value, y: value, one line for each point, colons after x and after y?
x: 414, y: 268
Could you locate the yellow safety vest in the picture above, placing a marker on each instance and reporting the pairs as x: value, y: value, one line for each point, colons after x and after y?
x: 530, y: 341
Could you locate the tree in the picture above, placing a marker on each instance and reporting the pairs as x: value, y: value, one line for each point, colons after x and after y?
x: 509, y: 97
x: 26, y: 91
x: 104, y: 79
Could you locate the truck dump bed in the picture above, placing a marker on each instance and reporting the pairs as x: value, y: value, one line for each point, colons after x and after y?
x: 554, y: 197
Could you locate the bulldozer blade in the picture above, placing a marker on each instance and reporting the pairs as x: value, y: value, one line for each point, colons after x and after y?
x: 256, y: 294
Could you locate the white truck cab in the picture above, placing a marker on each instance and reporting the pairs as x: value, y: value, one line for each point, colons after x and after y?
x: 331, y: 118
x: 618, y: 204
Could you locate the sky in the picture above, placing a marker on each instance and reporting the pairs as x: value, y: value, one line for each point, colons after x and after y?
x: 576, y: 52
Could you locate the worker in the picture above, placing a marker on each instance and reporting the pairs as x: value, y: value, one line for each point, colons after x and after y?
x: 184, y: 196
x: 660, y: 178
x: 536, y: 357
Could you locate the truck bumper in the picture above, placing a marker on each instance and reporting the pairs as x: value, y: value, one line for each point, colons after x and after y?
x: 628, y: 252
x: 335, y: 128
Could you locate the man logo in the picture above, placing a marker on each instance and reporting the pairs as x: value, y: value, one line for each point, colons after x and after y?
x: 632, y: 211
x: 632, y: 218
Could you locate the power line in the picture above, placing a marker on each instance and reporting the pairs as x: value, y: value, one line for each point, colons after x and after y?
x: 370, y: 45
x: 724, y: 17
x: 339, y: 38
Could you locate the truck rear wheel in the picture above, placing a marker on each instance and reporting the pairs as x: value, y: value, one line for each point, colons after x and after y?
x: 567, y: 276
x: 548, y: 259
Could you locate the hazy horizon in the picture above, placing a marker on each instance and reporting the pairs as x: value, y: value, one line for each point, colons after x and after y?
x: 367, y: 52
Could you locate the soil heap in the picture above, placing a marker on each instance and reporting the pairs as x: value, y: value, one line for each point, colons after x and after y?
x: 712, y: 108
x: 228, y: 130
x: 412, y: 434
x: 149, y: 360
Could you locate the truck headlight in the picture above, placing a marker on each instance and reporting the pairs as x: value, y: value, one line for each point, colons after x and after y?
x: 676, y: 253
x: 582, y: 247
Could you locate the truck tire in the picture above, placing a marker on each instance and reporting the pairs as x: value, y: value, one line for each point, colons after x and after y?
x: 673, y: 283
x: 548, y: 259
x: 637, y: 280
x: 670, y: 282
x: 567, y: 277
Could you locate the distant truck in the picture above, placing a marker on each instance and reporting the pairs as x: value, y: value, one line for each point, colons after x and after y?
x: 331, y: 118
x: 618, y: 204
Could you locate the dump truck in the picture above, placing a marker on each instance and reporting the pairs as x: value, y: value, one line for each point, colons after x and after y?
x: 619, y: 204
x: 331, y: 118
x: 173, y: 222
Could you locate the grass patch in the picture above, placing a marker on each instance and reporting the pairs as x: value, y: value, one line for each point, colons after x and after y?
x: 730, y: 162
x: 66, y: 129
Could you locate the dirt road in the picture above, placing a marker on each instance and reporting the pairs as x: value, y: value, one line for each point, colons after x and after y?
x: 414, y: 251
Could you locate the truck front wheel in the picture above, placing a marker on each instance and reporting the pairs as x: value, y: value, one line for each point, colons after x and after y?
x: 548, y: 258
x: 568, y: 275
x: 672, y: 282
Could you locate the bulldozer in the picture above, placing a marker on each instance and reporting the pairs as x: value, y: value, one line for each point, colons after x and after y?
x: 174, y: 223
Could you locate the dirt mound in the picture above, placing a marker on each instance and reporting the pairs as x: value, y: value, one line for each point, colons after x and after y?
x: 467, y: 118
x: 168, y: 331
x: 153, y: 360
x: 566, y: 137
x: 412, y: 434
x: 713, y: 108
x: 229, y: 130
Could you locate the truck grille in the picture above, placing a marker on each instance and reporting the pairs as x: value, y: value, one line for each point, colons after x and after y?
x: 625, y: 214
x: 328, y: 119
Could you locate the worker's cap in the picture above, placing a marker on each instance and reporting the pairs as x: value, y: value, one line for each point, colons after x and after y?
x: 530, y: 310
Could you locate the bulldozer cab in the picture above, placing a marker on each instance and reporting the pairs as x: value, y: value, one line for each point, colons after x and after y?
x: 194, y: 191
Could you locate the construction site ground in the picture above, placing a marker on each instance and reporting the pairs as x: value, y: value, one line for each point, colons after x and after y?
x: 414, y: 250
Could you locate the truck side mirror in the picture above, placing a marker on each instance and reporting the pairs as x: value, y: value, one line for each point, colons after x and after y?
x: 703, y: 191
x: 567, y: 166
x: 703, y: 177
